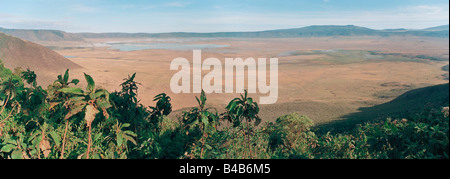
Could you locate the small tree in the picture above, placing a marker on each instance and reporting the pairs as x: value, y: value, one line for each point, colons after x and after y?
x: 10, y: 87
x: 58, y: 98
x: 90, y: 101
x: 203, y: 118
x: 30, y: 77
x: 162, y: 108
x: 127, y: 104
x: 243, y: 109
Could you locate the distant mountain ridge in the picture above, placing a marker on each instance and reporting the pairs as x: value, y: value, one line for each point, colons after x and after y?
x: 309, y: 31
x: 41, y: 35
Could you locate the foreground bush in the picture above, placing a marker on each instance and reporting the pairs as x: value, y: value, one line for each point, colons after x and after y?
x: 66, y: 122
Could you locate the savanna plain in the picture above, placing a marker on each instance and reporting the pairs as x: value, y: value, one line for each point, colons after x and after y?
x: 324, y: 78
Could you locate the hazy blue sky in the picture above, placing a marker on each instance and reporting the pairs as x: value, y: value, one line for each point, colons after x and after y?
x: 218, y: 15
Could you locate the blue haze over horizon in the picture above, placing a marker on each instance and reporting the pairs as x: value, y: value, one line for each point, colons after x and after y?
x: 158, y: 16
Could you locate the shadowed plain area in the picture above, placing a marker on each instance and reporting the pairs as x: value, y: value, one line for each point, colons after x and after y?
x: 407, y: 104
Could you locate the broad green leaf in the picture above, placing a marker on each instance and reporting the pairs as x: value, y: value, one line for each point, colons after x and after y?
x: 33, y: 136
x: 103, y: 104
x: 203, y: 97
x: 90, y: 81
x: 257, y: 121
x: 125, y: 125
x: 78, y: 103
x: 37, y: 140
x: 60, y: 79
x: 250, y: 101
x: 16, y: 154
x: 232, y: 106
x: 76, y: 98
x: 205, y: 113
x: 130, y: 133
x: 198, y: 101
x: 106, y: 95
x: 74, y: 111
x: 100, y: 93
x: 208, y: 146
x: 92, y: 96
x: 98, y: 136
x: 75, y: 81
x: 130, y: 138
x: 55, y: 137
x: 132, y: 77
x: 119, y: 140
x: 70, y: 90
x: 205, y: 120
x: 236, y: 99
x: 8, y: 148
x: 239, y: 111
x: 159, y: 96
x: 66, y: 76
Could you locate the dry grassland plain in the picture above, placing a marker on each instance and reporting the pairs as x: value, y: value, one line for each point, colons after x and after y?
x: 324, y: 78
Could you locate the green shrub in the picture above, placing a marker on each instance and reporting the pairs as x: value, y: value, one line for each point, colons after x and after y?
x: 292, y: 132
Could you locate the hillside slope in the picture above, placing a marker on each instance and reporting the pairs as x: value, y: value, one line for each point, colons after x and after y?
x: 15, y: 52
x: 415, y: 100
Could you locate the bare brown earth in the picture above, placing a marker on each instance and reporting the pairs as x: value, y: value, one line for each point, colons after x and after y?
x: 322, y: 89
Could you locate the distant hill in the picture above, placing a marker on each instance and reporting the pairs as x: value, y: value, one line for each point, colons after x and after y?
x: 15, y: 52
x: 326, y: 30
x: 41, y: 35
x: 310, y: 31
x: 438, y: 28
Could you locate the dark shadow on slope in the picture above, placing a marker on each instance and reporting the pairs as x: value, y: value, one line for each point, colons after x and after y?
x: 407, y: 104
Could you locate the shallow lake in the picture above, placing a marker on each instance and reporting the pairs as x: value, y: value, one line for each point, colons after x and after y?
x: 164, y: 46
x: 70, y: 56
